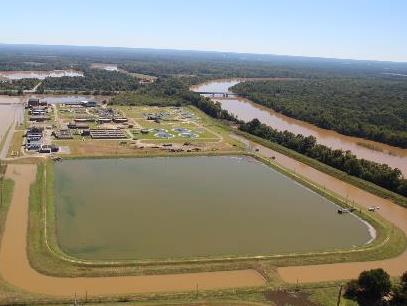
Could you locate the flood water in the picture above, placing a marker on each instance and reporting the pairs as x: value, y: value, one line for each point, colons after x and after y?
x: 11, y: 110
x: 247, y: 110
x: 108, y: 67
x: 65, y: 99
x: 41, y: 75
x: 155, y: 208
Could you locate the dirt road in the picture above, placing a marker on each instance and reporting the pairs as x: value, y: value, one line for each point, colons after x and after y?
x: 15, y: 268
x: 329, y: 272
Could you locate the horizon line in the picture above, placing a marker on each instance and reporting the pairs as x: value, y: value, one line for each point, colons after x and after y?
x: 207, y: 51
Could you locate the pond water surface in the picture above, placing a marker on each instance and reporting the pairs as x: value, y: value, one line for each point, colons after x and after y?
x: 155, y: 208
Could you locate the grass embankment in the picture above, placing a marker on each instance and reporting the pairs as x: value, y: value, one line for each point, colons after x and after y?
x: 6, y: 190
x: 362, y: 184
x: 322, y: 295
x: 16, y: 143
x: 3, y: 140
x: 46, y: 256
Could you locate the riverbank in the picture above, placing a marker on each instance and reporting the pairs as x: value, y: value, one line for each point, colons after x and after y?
x: 247, y: 110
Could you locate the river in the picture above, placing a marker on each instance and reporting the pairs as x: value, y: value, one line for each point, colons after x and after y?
x: 247, y: 110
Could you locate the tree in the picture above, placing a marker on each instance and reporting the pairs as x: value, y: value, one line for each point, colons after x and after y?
x: 369, y: 288
x: 400, y: 292
x: 374, y: 284
x: 352, y: 289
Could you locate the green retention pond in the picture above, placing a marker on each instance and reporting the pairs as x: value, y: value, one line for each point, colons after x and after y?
x: 183, y: 207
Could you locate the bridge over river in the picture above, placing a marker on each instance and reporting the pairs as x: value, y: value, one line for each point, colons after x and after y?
x: 217, y: 94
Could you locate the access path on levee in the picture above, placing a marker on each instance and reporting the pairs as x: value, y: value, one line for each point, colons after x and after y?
x: 339, y: 271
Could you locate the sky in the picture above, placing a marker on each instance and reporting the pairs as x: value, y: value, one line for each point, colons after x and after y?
x: 357, y: 29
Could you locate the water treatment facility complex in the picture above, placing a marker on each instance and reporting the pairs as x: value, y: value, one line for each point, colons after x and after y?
x: 164, y: 177
x: 164, y: 199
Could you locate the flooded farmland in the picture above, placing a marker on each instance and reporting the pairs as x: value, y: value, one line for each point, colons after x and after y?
x: 103, y: 66
x: 247, y: 110
x: 157, y: 208
x: 64, y: 99
x: 11, y: 110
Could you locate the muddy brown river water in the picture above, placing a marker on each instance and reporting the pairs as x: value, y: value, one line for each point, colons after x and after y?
x: 247, y: 110
x: 11, y: 110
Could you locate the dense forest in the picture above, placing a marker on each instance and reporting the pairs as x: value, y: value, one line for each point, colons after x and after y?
x: 164, y: 92
x: 370, y: 108
x: 20, y: 85
x: 188, y: 63
x: 93, y: 80
x: 379, y: 174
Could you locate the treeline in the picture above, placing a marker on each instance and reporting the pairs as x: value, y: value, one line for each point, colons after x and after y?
x: 379, y: 174
x: 375, y: 109
x: 100, y: 80
x: 177, y: 62
x: 163, y: 92
x: 19, y: 85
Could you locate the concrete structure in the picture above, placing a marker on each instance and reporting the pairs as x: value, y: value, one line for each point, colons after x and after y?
x: 107, y: 134
x: 63, y: 134
x: 120, y: 120
x: 89, y: 103
x: 104, y: 120
x: 74, y: 125
x: 38, y: 118
x: 35, y: 102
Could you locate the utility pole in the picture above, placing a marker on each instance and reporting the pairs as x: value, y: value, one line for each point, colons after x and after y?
x: 1, y: 183
x: 339, y: 295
